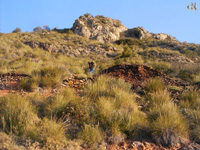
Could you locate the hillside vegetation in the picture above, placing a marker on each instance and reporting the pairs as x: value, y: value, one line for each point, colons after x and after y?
x: 40, y: 111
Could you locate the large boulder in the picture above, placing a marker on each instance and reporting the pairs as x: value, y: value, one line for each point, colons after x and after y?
x: 98, y: 28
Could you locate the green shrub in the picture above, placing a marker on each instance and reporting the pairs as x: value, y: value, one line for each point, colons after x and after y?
x: 194, y: 118
x: 190, y: 104
x: 46, y: 77
x: 126, y: 41
x: 92, y: 135
x: 185, y: 75
x: 115, y: 135
x: 154, y: 84
x: 114, y: 106
x: 163, y: 67
x: 121, y: 113
x: 127, y: 52
x: 28, y: 84
x: 16, y: 114
x: 59, y: 104
x: 38, y: 101
x: 49, y: 132
x: 51, y: 76
x: 166, y: 122
x: 102, y: 19
x: 104, y: 87
x: 52, y: 134
x: 17, y: 30
x: 190, y: 99
x: 136, y: 32
x: 196, y: 77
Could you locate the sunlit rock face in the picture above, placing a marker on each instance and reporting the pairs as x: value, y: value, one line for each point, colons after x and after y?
x: 141, y: 33
x: 99, y: 28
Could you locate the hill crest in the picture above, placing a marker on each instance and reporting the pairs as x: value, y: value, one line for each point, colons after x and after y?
x: 106, y: 29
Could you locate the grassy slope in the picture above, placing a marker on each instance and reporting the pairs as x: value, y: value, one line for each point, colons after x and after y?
x: 107, y: 110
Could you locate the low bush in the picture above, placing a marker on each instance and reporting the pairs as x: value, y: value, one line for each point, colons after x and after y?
x: 16, y: 113
x: 51, y: 76
x: 196, y: 77
x: 190, y: 99
x: 46, y: 77
x: 52, y: 134
x: 163, y: 67
x: 167, y: 124
x: 185, y: 75
x: 28, y: 84
x: 190, y: 104
x: 17, y: 30
x: 127, y: 52
x: 113, y: 105
x: 49, y: 132
x: 194, y: 118
x: 104, y: 87
x: 59, y: 105
x: 154, y: 84
x: 92, y: 135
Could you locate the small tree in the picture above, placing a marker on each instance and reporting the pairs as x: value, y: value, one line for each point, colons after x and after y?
x: 38, y: 29
x: 17, y: 30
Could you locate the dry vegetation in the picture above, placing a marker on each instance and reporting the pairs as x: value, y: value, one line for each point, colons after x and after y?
x: 106, y: 111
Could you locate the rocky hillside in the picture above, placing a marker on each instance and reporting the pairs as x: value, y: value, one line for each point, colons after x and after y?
x: 144, y: 93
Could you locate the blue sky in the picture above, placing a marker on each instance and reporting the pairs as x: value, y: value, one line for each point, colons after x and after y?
x: 157, y: 16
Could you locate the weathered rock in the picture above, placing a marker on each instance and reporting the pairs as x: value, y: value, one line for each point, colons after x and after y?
x: 111, y: 55
x: 45, y: 46
x: 141, y: 33
x: 98, y: 28
x: 138, y: 32
x: 192, y: 146
x: 162, y: 36
x: 74, y: 51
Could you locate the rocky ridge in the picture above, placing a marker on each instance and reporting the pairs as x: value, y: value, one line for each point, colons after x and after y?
x: 77, y: 50
x: 141, y: 33
x: 106, y: 29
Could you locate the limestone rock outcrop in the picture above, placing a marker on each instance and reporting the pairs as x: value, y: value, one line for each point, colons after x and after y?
x: 141, y: 33
x: 138, y: 32
x: 98, y: 28
x: 162, y: 36
x: 106, y: 29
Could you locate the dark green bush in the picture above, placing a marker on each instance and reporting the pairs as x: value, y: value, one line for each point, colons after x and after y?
x: 17, y: 30
x: 127, y: 52
x: 185, y: 75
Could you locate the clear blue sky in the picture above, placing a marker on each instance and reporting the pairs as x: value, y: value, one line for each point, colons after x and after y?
x: 157, y: 16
